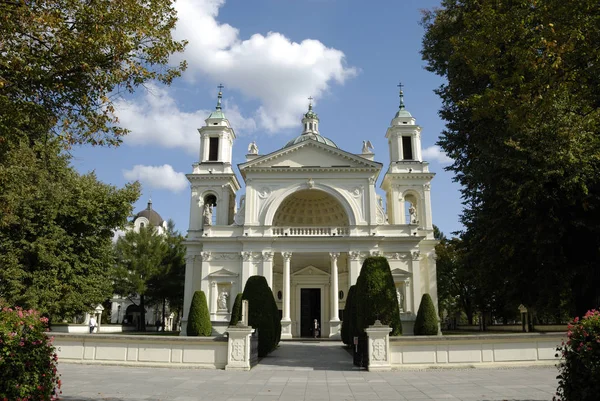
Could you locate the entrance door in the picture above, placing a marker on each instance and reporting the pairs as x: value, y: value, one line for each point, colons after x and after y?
x: 310, y: 309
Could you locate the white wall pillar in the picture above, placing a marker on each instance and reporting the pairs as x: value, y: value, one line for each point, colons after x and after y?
x: 334, y: 323
x: 188, y: 291
x: 267, y: 268
x: 286, y: 323
x: 214, y: 289
x: 246, y: 267
x: 354, y: 264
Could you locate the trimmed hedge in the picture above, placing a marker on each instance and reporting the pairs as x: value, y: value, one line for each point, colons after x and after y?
x: 262, y: 313
x: 349, y: 322
x: 376, y: 297
x: 426, y: 323
x: 199, y: 319
x: 236, y: 310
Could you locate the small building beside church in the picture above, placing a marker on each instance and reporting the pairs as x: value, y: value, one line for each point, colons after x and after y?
x: 307, y: 219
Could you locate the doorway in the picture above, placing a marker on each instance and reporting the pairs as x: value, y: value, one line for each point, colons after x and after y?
x: 310, y: 309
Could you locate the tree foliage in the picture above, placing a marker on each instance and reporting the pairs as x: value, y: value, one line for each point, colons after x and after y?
x: 349, y: 324
x: 56, y: 232
x: 521, y: 105
x: 426, y: 323
x: 236, y: 310
x: 376, y: 296
x: 199, y: 323
x: 64, y: 61
x: 139, y: 262
x: 262, y: 313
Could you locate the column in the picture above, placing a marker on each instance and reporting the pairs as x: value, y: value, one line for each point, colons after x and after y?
x: 354, y: 265
x: 213, y: 298
x: 334, y: 287
x: 267, y: 268
x: 286, y: 323
x: 334, y: 322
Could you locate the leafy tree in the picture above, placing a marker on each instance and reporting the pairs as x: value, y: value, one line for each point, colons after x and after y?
x: 349, y: 323
x: 64, y: 61
x: 199, y: 323
x: 139, y: 258
x: 56, y: 232
x: 376, y: 296
x: 426, y: 323
x: 236, y: 310
x: 166, y: 286
x: 262, y: 313
x: 521, y: 105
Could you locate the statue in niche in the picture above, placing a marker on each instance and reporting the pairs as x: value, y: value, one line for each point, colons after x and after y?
x: 400, y: 297
x: 222, y: 300
x: 252, y: 148
x: 412, y: 211
x: 207, y: 214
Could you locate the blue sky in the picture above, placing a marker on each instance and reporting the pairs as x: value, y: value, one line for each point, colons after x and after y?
x: 271, y: 55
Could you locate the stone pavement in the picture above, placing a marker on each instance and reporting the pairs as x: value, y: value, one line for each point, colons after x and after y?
x: 304, y: 371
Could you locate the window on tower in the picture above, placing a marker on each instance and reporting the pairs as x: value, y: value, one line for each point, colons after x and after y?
x: 213, y: 149
x: 407, y: 151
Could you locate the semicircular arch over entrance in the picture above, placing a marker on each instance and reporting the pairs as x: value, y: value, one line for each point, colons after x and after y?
x: 310, y: 208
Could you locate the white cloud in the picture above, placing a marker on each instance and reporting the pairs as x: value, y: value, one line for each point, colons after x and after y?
x: 155, y: 119
x: 434, y: 153
x: 157, y: 177
x: 280, y: 73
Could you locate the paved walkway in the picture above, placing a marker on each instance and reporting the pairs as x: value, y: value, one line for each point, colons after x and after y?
x: 304, y: 371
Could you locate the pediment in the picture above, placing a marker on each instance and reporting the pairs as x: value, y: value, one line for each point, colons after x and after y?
x: 311, y: 154
x: 399, y: 273
x: 310, y: 271
x: 222, y: 273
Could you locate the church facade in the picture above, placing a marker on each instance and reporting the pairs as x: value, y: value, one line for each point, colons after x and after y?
x: 308, y: 218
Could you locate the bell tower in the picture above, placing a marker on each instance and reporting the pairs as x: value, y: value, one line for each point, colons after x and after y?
x: 213, y: 181
x: 407, y: 182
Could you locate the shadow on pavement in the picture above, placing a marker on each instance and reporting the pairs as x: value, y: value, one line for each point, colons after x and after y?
x: 310, y: 355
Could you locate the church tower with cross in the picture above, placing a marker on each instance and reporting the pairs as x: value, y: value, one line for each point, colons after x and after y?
x: 308, y: 217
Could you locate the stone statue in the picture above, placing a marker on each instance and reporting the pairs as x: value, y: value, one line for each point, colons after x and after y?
x: 400, y: 299
x: 207, y: 214
x: 222, y: 300
x: 252, y: 148
x: 412, y: 211
x: 366, y: 146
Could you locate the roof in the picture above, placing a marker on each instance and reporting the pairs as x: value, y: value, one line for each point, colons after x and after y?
x: 152, y: 216
x: 314, y: 137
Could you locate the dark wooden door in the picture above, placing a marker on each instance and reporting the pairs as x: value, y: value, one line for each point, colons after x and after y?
x: 310, y: 309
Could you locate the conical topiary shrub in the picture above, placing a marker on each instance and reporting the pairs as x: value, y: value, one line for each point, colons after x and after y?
x: 199, y: 319
x: 426, y: 323
x: 236, y: 310
x: 349, y: 317
x: 262, y: 313
x: 376, y: 296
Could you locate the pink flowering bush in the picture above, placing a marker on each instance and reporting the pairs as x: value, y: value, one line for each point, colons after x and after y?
x: 579, y: 378
x: 27, y: 357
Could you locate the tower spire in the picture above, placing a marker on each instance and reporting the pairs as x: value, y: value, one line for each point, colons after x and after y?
x: 401, y: 85
x: 220, y: 96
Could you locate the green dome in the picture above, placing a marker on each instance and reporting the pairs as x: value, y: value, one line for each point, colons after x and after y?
x: 314, y: 137
x: 403, y: 113
x: 217, y: 114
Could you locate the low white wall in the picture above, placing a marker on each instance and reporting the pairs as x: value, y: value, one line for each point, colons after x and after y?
x: 85, y: 329
x: 465, y: 350
x: 171, y: 351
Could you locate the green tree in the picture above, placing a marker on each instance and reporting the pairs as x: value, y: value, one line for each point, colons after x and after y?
x: 426, y: 323
x: 64, y: 62
x: 56, y: 229
x: 199, y: 323
x: 521, y: 105
x: 349, y: 323
x: 166, y: 286
x: 376, y: 296
x: 139, y: 261
x: 262, y: 313
x: 236, y: 310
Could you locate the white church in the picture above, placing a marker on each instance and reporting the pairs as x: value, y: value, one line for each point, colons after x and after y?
x: 308, y: 218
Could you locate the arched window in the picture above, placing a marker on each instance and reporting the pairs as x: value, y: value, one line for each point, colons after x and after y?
x: 211, y: 200
x: 142, y: 225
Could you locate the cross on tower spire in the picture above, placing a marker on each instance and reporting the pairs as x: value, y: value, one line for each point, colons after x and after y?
x: 401, y: 85
x: 310, y: 99
x: 220, y: 96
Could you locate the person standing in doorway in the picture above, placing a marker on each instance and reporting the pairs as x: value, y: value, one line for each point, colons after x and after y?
x: 316, y: 329
x: 93, y: 324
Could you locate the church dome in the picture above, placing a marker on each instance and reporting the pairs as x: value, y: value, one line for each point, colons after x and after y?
x: 152, y: 216
x: 315, y: 137
x: 310, y: 122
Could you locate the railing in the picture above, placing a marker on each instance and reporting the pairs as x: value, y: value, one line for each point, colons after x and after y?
x: 311, y: 231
